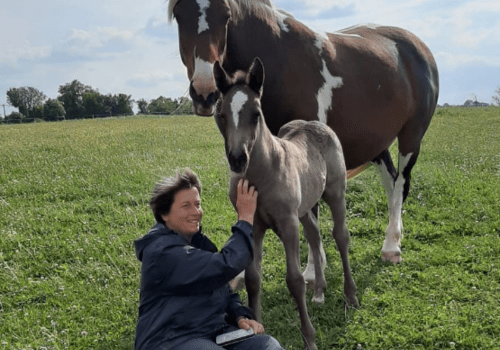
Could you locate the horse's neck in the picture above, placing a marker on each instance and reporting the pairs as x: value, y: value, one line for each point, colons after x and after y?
x: 266, y: 151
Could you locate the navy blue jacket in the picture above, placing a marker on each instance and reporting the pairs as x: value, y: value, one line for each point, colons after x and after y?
x: 184, y: 287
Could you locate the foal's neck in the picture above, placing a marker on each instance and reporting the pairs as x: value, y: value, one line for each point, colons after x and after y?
x: 265, y: 153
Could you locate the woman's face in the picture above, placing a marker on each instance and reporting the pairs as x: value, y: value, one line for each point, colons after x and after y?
x: 186, y: 213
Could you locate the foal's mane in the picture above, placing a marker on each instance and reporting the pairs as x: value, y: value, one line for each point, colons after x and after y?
x: 262, y: 9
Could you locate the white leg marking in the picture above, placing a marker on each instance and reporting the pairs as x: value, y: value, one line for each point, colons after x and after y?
x: 237, y: 102
x: 391, y: 249
x: 202, y: 20
x: 203, y: 78
x: 309, y: 274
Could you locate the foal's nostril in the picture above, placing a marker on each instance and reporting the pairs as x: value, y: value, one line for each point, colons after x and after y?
x: 238, y: 161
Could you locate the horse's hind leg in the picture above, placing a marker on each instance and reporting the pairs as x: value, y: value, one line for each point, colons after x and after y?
x: 309, y: 272
x: 334, y: 196
x: 288, y: 231
x: 313, y: 236
x: 397, y: 185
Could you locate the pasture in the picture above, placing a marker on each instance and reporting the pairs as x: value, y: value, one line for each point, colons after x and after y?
x: 74, y: 195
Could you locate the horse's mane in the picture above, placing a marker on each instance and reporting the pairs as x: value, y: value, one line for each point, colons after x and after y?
x: 262, y: 9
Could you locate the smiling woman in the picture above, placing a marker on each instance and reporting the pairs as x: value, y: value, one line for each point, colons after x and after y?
x: 187, y: 302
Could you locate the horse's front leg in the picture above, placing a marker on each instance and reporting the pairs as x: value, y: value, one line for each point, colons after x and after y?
x: 288, y: 231
x: 253, y: 272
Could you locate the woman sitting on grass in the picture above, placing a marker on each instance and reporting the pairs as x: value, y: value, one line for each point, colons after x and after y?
x: 185, y: 298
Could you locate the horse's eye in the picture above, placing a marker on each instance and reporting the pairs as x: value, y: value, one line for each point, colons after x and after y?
x: 255, y: 117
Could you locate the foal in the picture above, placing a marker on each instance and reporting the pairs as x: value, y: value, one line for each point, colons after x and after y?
x: 291, y: 172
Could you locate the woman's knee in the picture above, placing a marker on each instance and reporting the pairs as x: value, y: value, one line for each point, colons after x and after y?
x: 258, y: 342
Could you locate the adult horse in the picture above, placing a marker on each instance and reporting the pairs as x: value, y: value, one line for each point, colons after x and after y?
x: 371, y: 84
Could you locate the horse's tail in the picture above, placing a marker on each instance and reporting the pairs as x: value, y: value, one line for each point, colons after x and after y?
x: 351, y: 174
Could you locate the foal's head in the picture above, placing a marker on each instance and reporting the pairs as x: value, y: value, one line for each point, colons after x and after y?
x: 240, y: 114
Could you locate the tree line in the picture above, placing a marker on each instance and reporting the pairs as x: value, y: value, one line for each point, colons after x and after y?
x: 80, y: 101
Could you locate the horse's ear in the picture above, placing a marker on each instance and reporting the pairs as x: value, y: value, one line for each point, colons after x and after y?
x: 256, y: 76
x: 221, y: 78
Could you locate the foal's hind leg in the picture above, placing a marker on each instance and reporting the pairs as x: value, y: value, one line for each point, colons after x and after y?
x: 288, y: 231
x: 397, y: 185
x: 313, y: 236
x: 334, y: 196
x: 309, y: 272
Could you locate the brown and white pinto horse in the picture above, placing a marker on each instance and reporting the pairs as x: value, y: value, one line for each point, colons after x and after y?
x: 371, y: 84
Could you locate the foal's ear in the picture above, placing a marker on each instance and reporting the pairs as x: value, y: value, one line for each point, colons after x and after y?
x: 221, y: 78
x: 256, y: 76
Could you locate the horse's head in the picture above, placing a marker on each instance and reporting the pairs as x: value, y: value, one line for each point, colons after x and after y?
x: 239, y: 115
x: 203, y: 26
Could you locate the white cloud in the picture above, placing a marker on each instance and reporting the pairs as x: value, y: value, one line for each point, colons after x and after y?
x: 454, y: 61
x: 12, y: 52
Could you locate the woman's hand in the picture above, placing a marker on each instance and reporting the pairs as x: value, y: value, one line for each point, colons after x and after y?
x: 246, y: 201
x: 244, y: 323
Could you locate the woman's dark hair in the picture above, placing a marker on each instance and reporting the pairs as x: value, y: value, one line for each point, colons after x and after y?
x: 165, y: 191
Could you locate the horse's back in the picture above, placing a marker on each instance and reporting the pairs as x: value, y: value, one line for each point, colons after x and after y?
x: 390, y: 82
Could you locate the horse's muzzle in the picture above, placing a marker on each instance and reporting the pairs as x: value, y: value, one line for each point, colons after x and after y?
x: 203, y: 106
x: 238, y: 162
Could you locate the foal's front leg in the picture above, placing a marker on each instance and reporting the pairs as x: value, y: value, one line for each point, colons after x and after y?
x: 288, y: 231
x: 253, y: 272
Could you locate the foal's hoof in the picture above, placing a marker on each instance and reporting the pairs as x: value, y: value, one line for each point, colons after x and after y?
x: 393, y: 257
x: 351, y: 303
x: 319, y: 299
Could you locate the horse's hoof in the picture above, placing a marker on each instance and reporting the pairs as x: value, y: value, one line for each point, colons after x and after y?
x: 351, y: 303
x: 319, y: 299
x: 393, y: 257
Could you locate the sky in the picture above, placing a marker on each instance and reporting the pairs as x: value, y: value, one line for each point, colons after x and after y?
x: 129, y: 47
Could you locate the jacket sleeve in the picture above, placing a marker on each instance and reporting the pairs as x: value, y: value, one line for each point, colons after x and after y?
x: 236, y: 310
x: 187, y: 270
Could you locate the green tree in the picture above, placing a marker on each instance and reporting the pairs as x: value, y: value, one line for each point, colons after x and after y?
x: 496, y: 98
x: 94, y: 104
x: 26, y: 99
x: 53, y: 110
x: 143, y: 106
x: 124, y: 104
x: 71, y: 96
x: 185, y: 106
x: 14, y: 117
x: 162, y: 105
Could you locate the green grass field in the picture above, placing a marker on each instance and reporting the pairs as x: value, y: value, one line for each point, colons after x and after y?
x: 74, y: 195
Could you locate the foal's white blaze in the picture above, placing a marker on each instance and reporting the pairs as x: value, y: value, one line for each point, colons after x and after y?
x: 202, y: 20
x: 237, y: 102
x: 203, y: 78
x: 391, y: 249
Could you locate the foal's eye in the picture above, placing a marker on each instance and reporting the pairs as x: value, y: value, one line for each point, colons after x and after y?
x: 255, y: 117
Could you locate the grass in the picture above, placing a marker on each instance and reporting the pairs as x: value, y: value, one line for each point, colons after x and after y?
x: 74, y: 195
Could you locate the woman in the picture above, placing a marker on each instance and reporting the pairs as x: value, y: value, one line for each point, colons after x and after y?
x: 185, y: 299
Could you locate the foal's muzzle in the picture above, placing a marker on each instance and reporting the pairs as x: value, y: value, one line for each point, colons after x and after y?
x: 238, y: 161
x: 203, y: 106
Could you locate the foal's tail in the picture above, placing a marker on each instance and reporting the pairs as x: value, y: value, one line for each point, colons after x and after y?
x: 351, y: 174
